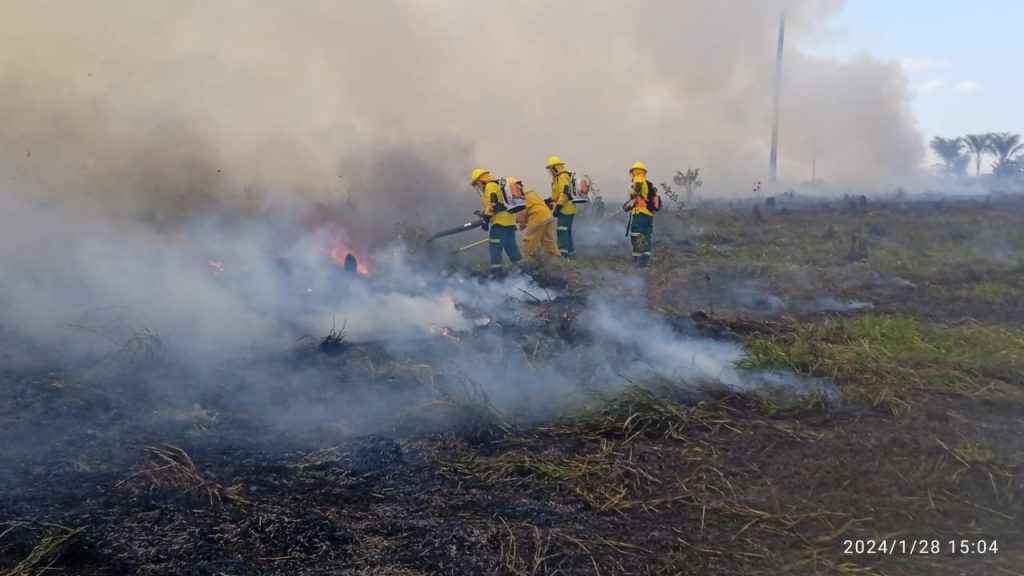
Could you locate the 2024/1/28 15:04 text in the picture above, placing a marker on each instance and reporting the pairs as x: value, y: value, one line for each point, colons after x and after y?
x: 922, y: 546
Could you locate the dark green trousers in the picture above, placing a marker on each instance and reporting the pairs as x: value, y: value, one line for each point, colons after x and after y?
x: 565, y: 245
x: 640, y: 234
x: 503, y: 239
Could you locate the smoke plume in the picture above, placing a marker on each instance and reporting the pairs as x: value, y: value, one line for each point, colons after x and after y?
x: 184, y: 169
x: 180, y: 106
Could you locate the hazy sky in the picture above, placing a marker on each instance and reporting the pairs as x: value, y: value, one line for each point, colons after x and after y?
x: 963, y: 58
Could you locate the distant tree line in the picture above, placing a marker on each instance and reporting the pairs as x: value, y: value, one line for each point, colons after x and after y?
x: 956, y: 154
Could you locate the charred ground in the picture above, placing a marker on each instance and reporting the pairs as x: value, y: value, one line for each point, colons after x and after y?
x: 918, y: 323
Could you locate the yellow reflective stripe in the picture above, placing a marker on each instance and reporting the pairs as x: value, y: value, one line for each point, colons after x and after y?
x: 636, y: 234
x: 495, y: 240
x: 636, y: 254
x: 566, y: 228
x: 497, y: 265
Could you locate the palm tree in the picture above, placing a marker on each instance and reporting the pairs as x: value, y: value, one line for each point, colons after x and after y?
x: 977, y: 144
x: 950, y: 151
x: 1004, y: 146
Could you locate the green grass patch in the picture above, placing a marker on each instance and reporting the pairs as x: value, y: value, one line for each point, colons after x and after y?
x: 994, y: 293
x: 887, y: 358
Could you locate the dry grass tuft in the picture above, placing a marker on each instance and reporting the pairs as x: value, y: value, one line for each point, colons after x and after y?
x: 528, y: 550
x: 52, y: 545
x: 614, y: 470
x: 332, y: 343
x: 607, y: 478
x: 171, y: 468
x: 462, y: 402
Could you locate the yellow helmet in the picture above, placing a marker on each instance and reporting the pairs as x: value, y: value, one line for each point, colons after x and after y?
x: 475, y: 175
x: 510, y: 181
x: 637, y: 166
x: 554, y: 161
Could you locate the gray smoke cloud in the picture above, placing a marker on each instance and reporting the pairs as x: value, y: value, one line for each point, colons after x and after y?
x: 160, y: 109
x: 246, y: 293
x: 188, y: 167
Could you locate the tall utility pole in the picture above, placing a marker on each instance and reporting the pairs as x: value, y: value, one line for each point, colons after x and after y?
x: 814, y: 158
x: 773, y: 160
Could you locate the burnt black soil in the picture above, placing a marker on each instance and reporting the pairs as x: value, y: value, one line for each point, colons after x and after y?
x: 642, y: 483
x: 740, y: 486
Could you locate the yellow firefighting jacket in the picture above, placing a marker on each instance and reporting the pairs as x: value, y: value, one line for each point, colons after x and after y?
x: 536, y: 210
x: 561, y: 186
x: 639, y: 192
x: 491, y: 198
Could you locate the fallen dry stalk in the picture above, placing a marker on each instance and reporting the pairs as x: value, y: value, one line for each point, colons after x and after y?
x: 46, y: 553
x: 528, y: 550
x: 170, y: 467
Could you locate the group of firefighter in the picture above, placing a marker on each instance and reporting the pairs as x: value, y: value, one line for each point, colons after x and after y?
x: 508, y: 205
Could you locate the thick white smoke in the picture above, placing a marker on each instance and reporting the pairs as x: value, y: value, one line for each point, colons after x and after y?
x: 640, y: 344
x: 220, y: 292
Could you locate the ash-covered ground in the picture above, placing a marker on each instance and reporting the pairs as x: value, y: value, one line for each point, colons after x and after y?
x: 771, y: 389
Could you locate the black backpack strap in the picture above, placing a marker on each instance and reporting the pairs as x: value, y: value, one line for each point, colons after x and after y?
x: 496, y: 203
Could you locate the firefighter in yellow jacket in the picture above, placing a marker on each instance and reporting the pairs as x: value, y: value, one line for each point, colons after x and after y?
x: 500, y: 223
x: 536, y: 221
x: 562, y: 205
x: 643, y: 202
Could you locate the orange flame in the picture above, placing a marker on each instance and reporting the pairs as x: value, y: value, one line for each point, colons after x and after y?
x: 447, y: 334
x: 340, y: 251
x: 328, y: 220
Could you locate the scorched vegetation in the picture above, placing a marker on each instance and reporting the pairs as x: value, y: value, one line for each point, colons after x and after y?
x: 872, y: 389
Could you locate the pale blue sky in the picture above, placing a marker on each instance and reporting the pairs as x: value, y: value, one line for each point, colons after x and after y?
x: 965, y: 59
